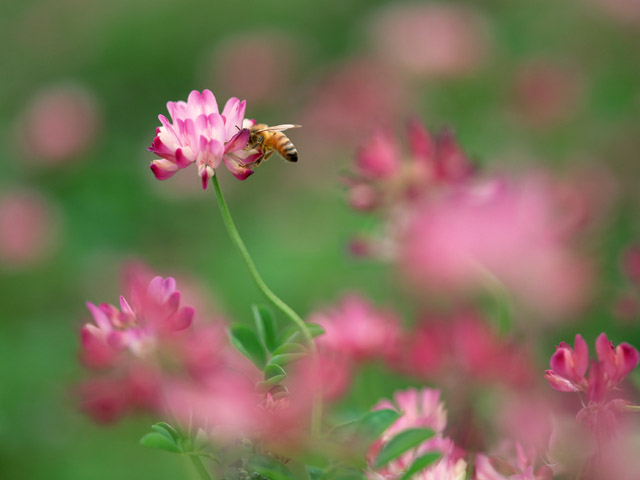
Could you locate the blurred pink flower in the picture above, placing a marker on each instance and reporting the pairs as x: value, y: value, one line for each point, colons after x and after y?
x: 356, y: 330
x: 519, y: 468
x: 418, y: 409
x: 269, y: 53
x: 503, y: 230
x: 58, y: 124
x: 106, y: 399
x: 351, y: 99
x: 546, y: 93
x: 631, y: 264
x: 150, y: 345
x: 155, y: 312
x: 463, y: 346
x: 432, y: 39
x: 226, y: 403
x: 568, y: 374
x: 623, y: 11
x: 199, y: 133
x: 386, y: 178
x: 29, y: 228
x: 569, y: 367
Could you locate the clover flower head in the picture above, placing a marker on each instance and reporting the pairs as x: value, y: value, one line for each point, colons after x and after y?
x: 198, y: 133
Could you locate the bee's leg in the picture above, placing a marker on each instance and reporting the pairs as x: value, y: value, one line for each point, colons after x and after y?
x: 257, y: 161
x: 265, y: 156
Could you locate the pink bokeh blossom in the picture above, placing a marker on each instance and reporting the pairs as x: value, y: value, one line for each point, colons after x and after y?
x: 29, y: 228
x: 463, y: 346
x: 234, y: 62
x: 506, y: 230
x: 350, y: 99
x: 521, y: 467
x: 198, y: 133
x: 150, y: 345
x: 568, y: 373
x: 357, y: 330
x: 431, y: 40
x: 546, y: 93
x: 58, y: 124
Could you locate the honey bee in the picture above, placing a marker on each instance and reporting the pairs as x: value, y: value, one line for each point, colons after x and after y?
x: 268, y: 140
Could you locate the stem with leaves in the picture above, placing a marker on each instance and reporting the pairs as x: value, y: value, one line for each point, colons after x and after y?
x: 267, y: 292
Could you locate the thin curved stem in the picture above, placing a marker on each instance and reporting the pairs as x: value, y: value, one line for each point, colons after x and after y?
x: 316, y: 413
x: 253, y: 271
x: 202, y: 471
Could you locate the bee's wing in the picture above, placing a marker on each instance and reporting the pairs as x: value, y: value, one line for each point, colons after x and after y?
x: 278, y: 128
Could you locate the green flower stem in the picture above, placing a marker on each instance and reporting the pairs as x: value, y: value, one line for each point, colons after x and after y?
x: 633, y: 408
x: 253, y: 271
x: 202, y: 471
x: 266, y: 291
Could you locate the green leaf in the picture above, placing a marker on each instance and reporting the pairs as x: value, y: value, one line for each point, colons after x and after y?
x: 293, y: 334
x: 273, y: 375
x: 315, y: 473
x: 421, y: 463
x: 269, y: 467
x: 298, y: 470
x: 289, y: 348
x: 247, y: 343
x: 164, y: 428
x: 366, y: 428
x: 401, y: 443
x: 285, y: 358
x: 344, y: 474
x: 266, y: 326
x: 159, y: 441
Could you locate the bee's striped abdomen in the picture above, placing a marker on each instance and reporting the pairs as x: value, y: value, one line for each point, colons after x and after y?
x: 286, y: 149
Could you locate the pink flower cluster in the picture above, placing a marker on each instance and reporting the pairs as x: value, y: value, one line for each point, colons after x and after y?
x: 419, y: 409
x: 383, y: 179
x: 451, y: 231
x: 569, y: 367
x: 136, y: 348
x: 568, y: 373
x: 198, y: 133
x: 462, y: 346
x: 521, y: 468
x: 357, y: 330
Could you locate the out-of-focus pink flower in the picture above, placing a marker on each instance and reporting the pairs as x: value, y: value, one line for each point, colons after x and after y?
x: 546, y: 93
x: 358, y: 331
x: 234, y: 63
x: 631, y: 263
x: 29, y: 228
x: 432, y: 40
x: 569, y: 367
x: 418, y: 409
x: 503, y: 229
x: 200, y: 134
x: 567, y: 374
x: 350, y: 100
x: 460, y: 347
x: 385, y: 178
x: 379, y: 157
x: 520, y: 468
x: 623, y: 11
x: 58, y: 124
x: 155, y: 312
x: 226, y: 403
x: 626, y: 307
x: 149, y: 345
x: 106, y: 399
